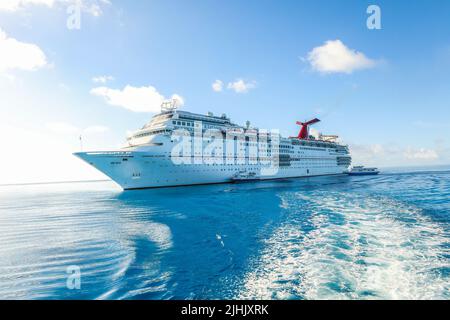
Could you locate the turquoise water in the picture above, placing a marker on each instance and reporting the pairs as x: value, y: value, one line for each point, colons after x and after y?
x: 318, y: 238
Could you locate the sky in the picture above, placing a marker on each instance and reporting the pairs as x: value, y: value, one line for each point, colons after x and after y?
x: 100, y: 69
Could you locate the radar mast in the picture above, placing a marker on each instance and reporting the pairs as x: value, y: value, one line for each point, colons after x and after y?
x: 170, y: 105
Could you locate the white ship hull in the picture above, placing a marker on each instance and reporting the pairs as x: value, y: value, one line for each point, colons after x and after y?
x: 139, y: 170
x: 137, y: 173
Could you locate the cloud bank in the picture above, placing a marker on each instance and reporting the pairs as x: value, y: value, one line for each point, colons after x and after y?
x: 16, y: 55
x: 136, y: 99
x: 93, y: 7
x: 396, y: 155
x: 238, y: 86
x: 65, y: 128
x: 14, y: 5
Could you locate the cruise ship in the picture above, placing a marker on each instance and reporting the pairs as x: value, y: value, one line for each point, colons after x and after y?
x: 180, y: 148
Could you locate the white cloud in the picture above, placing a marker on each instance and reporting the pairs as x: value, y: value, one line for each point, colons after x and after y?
x: 179, y: 100
x: 65, y: 128
x: 55, y: 161
x: 335, y: 57
x: 431, y: 124
x: 96, y: 129
x: 421, y: 154
x: 93, y: 7
x: 314, y: 132
x: 137, y: 99
x: 394, y: 155
x: 217, y: 86
x: 14, y: 5
x: 62, y: 128
x: 19, y: 55
x: 240, y: 86
x: 102, y: 79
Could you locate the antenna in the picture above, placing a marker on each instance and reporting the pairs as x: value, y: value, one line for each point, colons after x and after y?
x: 170, y: 105
x: 81, y: 143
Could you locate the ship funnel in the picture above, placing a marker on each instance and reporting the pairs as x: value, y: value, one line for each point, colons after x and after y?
x: 304, y: 131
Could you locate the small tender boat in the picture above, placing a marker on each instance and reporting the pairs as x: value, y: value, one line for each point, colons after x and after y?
x: 363, y: 171
x: 244, y: 176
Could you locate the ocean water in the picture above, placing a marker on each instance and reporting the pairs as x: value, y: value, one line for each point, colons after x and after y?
x: 381, y: 237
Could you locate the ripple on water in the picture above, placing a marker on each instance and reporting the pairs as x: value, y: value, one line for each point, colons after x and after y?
x: 357, y: 249
x: 44, y: 239
x: 319, y: 238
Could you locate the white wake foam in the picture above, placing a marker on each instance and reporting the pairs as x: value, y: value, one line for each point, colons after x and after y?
x: 357, y: 249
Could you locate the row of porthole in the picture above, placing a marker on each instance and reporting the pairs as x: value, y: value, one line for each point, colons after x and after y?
x: 242, y: 165
x: 223, y: 170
